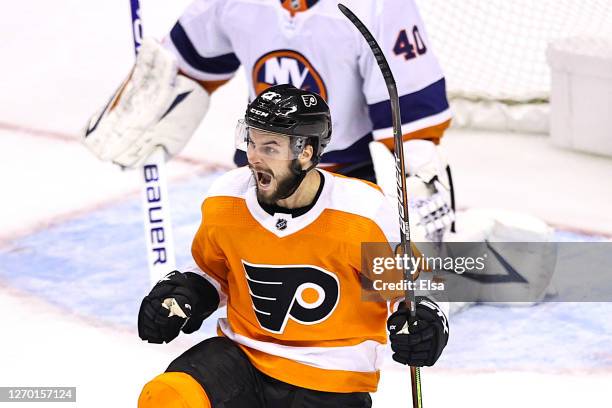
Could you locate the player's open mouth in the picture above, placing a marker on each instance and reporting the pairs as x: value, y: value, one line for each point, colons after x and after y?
x: 263, y: 179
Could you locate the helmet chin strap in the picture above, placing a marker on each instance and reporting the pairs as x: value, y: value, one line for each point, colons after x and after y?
x: 299, y: 175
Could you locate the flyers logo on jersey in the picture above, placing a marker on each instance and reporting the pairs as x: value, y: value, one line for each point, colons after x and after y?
x: 303, y: 293
x: 287, y: 67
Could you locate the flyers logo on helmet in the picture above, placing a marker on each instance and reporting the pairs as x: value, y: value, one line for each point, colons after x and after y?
x: 287, y: 67
x: 309, y: 100
x: 303, y: 293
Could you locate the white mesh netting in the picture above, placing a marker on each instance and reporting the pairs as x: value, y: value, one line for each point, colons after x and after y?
x: 495, y: 50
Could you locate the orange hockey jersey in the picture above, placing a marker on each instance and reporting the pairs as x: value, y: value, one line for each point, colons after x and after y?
x: 292, y: 285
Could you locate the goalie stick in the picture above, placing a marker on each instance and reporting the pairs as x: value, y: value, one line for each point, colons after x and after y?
x: 402, y: 195
x: 156, y: 205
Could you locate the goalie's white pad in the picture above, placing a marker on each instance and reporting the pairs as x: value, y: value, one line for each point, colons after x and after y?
x: 155, y: 106
x: 510, y: 234
x: 427, y: 185
x: 498, y: 225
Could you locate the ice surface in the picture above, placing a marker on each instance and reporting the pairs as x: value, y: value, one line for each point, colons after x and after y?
x: 72, y: 252
x: 91, y: 269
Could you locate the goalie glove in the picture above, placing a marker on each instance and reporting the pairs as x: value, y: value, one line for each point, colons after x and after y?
x: 155, y: 106
x: 428, y: 187
x: 430, y: 207
x: 418, y: 342
x: 180, y: 301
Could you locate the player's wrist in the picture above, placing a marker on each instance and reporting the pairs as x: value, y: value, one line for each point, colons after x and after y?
x: 207, y: 298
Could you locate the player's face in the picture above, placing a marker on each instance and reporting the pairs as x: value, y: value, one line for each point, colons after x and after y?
x: 270, y: 160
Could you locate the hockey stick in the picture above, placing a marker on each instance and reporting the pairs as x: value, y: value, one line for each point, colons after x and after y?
x: 402, y: 195
x: 156, y: 205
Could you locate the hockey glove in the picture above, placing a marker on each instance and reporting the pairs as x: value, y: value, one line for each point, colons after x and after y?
x: 430, y: 207
x: 180, y: 301
x: 427, y: 182
x: 429, y: 188
x: 421, y: 343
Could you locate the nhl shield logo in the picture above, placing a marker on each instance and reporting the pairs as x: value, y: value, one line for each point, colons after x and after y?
x: 287, y: 67
x: 281, y: 224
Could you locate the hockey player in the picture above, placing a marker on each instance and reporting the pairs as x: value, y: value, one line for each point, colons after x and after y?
x: 309, y: 44
x: 279, y: 244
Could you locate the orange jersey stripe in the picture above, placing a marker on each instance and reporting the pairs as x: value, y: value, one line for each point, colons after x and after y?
x: 433, y: 133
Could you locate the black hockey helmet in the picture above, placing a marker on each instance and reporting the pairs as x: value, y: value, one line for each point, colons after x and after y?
x: 288, y: 110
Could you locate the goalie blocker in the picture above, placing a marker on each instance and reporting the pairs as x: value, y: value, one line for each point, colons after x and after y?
x: 155, y: 106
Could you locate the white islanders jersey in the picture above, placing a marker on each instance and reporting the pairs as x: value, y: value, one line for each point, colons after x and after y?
x: 319, y: 50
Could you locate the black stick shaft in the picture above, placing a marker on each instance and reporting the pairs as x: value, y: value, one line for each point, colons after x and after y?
x: 402, y: 194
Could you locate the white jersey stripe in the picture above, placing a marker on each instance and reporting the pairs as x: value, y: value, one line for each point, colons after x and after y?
x: 363, y: 357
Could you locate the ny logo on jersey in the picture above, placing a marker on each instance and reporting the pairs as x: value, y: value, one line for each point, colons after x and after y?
x: 287, y: 67
x: 303, y: 293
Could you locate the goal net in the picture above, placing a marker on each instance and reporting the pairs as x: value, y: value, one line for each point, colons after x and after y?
x: 493, y: 53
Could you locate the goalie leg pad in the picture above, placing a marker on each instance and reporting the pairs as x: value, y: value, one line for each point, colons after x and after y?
x: 173, y: 390
x: 514, y: 237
